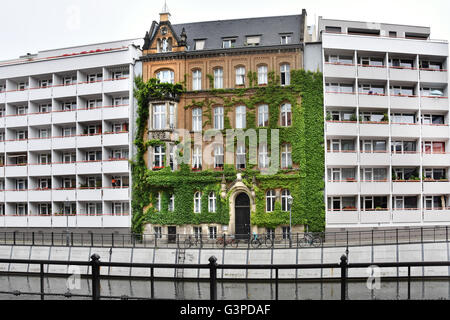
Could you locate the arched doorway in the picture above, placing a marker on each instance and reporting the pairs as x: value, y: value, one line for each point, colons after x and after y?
x: 242, y: 215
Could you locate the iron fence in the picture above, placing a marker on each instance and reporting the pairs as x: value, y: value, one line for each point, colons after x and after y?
x: 261, y: 241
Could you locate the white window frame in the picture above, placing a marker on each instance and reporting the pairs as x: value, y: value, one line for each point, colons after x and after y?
x: 262, y: 74
x: 166, y: 76
x: 286, y: 115
x: 218, y: 78
x: 197, y: 120
x: 240, y: 75
x: 286, y: 156
x: 159, y: 117
x: 263, y: 115
x: 212, y: 204
x: 219, y: 118
x: 285, y: 74
x: 196, y: 80
x: 241, y: 117
x: 197, y: 202
x: 270, y: 200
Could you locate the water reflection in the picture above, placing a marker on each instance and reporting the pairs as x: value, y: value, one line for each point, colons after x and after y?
x: 390, y: 290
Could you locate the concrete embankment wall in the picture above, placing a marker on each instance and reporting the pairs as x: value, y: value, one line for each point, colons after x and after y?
x: 367, y: 254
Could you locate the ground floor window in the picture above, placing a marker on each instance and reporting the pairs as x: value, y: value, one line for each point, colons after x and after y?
x: 198, y: 232
x: 158, y: 232
x: 213, y: 232
x: 286, y: 232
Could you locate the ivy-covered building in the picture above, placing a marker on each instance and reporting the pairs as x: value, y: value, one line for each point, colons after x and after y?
x: 201, y: 80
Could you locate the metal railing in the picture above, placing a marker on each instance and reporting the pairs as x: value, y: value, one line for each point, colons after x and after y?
x: 265, y: 241
x: 95, y: 264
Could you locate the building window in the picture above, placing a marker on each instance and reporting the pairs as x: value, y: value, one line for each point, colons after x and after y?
x: 45, y: 108
x: 158, y: 202
x: 240, y: 76
x: 196, y: 80
x: 262, y: 74
x: 285, y: 195
x: 44, y: 133
x: 228, y: 43
x: 166, y: 76
x: 286, y: 233
x: 241, y: 121
x: 197, y: 119
x: 198, y: 232
x: 218, y: 118
x: 171, y: 206
x: 218, y: 78
x: 92, y: 104
x: 240, y: 156
x: 270, y: 200
x: 263, y: 115
x: 212, y: 202
x: 370, y: 203
x: 21, y: 209
x: 45, y: 209
x: 263, y: 156
x: 120, y: 208
x: 286, y: 156
x: 285, y: 72
x: 93, y: 209
x: 158, y: 232
x: 341, y: 203
x: 159, y: 155
x: 197, y: 202
x: 197, y: 157
x: 212, y: 233
x: 373, y: 174
x: 286, y: 39
x: 159, y: 117
x: 253, y: 40
x: 286, y: 115
x: 44, y: 158
x: 199, y: 44
x: 218, y: 156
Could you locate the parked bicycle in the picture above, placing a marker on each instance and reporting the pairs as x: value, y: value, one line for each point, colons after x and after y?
x: 228, y: 241
x: 192, y: 242
x: 257, y: 242
x: 310, y: 239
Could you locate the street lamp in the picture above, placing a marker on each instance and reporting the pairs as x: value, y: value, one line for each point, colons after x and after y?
x: 290, y: 202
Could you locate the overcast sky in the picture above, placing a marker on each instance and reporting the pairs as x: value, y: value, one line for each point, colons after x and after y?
x: 30, y: 25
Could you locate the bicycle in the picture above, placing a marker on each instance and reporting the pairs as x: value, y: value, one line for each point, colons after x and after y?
x: 190, y: 241
x: 229, y: 241
x: 256, y: 242
x: 310, y: 239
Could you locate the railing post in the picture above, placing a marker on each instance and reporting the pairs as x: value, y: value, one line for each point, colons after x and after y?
x: 32, y: 238
x: 71, y: 239
x: 343, y: 277
x: 224, y: 240
x: 152, y: 283
x: 92, y: 239
x: 53, y: 242
x: 372, y: 237
x: 421, y: 234
x: 276, y: 284
x: 409, y: 282
x: 95, y: 263
x: 396, y: 235
x: 213, y: 278
x: 112, y: 239
x: 42, y: 281
x: 14, y: 238
x: 446, y: 233
x: 347, y: 238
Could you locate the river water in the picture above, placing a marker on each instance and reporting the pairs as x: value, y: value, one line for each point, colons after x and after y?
x: 389, y: 290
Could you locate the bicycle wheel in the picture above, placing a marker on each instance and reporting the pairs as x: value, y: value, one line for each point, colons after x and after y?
x: 255, y: 243
x: 187, y: 243
x: 317, y: 242
x: 269, y: 243
x: 234, y: 243
x: 302, y: 243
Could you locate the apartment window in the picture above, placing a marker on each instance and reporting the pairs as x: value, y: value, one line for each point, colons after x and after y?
x: 263, y: 156
x: 44, y: 158
x: 431, y: 65
x: 433, y: 147
x: 218, y: 78
x: 402, y: 91
x: 253, y: 40
x: 285, y: 205
x: 262, y: 74
x: 69, y: 157
x: 433, y: 119
x: 401, y: 63
x: 228, y: 43
x: 432, y: 92
x: 159, y: 155
x: 44, y: 133
x: 338, y: 59
x: 20, y: 110
x: 68, y: 183
x: 285, y: 73
x: 341, y: 116
x: 196, y: 80
x: 67, y: 106
x: 218, y: 156
x: 240, y: 76
x: 270, y: 200
x: 21, y: 209
x: 199, y: 44
x: 212, y: 202
x: 22, y: 86
x: 95, y: 77
x: 197, y: 232
x: 94, y: 208
x: 373, y: 174
x: 159, y: 117
x: 370, y: 146
x: 45, y: 209
x: 120, y: 182
x: 94, y: 103
x: 286, y: 115
x: 45, y: 183
x: 435, y: 202
x: 2, y: 136
x: 286, y: 156
x: 370, y: 203
x: 339, y: 88
x: 21, y: 135
x: 371, y: 89
x: 341, y: 174
x: 45, y: 83
x: 2, y: 111
x: 263, y: 115
x: 68, y: 131
x: 286, y: 39
x: 403, y: 147
x: 403, y: 202
x: 45, y: 108
x: 171, y: 205
x: 286, y: 232
x: 69, y: 80
x: 166, y: 76
x: 337, y: 145
x: 212, y: 233
x: 93, y: 155
x: 172, y: 156
x: 218, y: 118
x: 197, y: 119
x: 372, y: 117
x: 404, y: 173
x: 403, y: 118
x: 241, y: 122
x: 197, y: 202
x: 120, y: 208
x: 341, y: 203
x: 435, y: 173
x: 158, y: 202
x: 197, y: 157
x: 371, y: 62
x: 240, y: 156
x: 21, y: 184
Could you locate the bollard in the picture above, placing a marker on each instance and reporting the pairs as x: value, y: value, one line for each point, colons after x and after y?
x: 213, y: 278
x: 343, y: 276
x: 95, y: 263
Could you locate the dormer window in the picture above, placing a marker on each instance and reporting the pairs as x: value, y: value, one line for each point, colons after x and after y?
x: 228, y: 43
x: 199, y: 44
x: 286, y: 38
x: 253, y: 40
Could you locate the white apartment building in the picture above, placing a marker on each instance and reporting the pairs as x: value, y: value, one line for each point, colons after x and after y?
x: 387, y: 126
x: 64, y: 137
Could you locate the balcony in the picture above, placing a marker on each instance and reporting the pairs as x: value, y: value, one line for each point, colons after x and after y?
x: 61, y: 91
x: 116, y: 139
x: 63, y: 142
x: 89, y: 167
x: 16, y: 195
x: 381, y: 158
x: 435, y: 186
x: 40, y: 170
x: 89, y: 194
x: 16, y: 170
x: 339, y: 99
x: 381, y: 187
x: 406, y: 159
x: 376, y: 216
x: 435, y: 131
x: 436, y: 159
x: 338, y: 70
x: 40, y: 93
x: 372, y: 72
x: 433, y: 76
x: 373, y: 100
x: 407, y: 216
x: 89, y: 88
x: 16, y: 221
x: 62, y: 169
x: 403, y: 74
x: 89, y: 141
x: 343, y: 158
x: 39, y: 144
x: 405, y: 130
x: 16, y: 145
x: 64, y: 116
x: 119, y: 85
x: 39, y: 221
x: 116, y: 221
x: 116, y: 194
x: 85, y: 221
x: 405, y: 102
x: 436, y: 215
x: 406, y: 187
x: 342, y: 217
x: 17, y: 96
x: 40, y: 195
x: 434, y: 103
x: 16, y: 120
x: 374, y: 129
x: 61, y: 221
x: 2, y: 97
x: 116, y: 112
x: 115, y: 166
x: 347, y: 187
x: 38, y: 119
x: 62, y: 195
x: 89, y: 114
